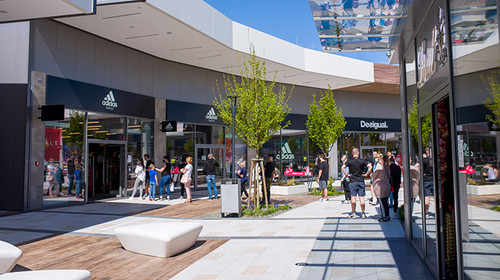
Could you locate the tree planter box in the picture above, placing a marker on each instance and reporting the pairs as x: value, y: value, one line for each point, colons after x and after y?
x: 483, y: 189
x: 289, y: 190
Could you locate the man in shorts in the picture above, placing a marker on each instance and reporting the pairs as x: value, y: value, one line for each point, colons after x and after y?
x: 323, y: 177
x: 357, y: 181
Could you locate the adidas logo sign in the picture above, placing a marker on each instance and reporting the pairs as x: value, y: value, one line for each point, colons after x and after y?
x: 169, y: 127
x: 286, y: 153
x: 211, y: 115
x: 109, y: 101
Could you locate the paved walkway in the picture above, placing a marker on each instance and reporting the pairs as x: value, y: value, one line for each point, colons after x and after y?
x: 315, y: 241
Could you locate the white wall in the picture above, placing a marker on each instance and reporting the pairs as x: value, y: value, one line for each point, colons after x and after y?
x: 14, y: 52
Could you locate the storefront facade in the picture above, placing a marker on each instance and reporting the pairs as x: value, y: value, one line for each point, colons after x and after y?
x: 449, y: 56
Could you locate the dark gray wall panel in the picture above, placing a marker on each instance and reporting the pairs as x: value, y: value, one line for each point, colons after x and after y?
x: 13, y: 114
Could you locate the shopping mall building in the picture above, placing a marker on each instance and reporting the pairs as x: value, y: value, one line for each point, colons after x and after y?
x: 122, y: 68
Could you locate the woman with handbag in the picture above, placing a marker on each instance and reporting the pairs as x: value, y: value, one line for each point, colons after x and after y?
x: 381, y: 186
x: 186, y: 179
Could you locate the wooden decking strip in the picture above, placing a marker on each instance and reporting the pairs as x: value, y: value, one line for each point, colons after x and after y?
x: 105, y: 258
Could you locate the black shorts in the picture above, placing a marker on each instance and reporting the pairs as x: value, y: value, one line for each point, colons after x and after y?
x: 428, y: 188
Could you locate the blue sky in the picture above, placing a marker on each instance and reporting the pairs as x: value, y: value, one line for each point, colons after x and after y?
x: 290, y: 20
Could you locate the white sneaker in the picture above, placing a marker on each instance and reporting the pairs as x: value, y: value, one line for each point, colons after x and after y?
x: 130, y: 198
x: 321, y: 199
x: 168, y: 197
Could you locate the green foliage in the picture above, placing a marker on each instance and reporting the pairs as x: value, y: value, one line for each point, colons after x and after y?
x: 401, y: 212
x: 480, y: 182
x: 292, y: 143
x: 262, y: 211
x: 73, y: 135
x: 325, y: 121
x: 291, y: 182
x: 493, y: 102
x: 261, y: 106
x: 413, y: 125
x: 332, y: 191
x: 189, y: 146
x: 495, y: 207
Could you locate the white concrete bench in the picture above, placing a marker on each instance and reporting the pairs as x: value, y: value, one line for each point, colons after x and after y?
x: 159, y: 239
x: 9, y: 255
x: 66, y: 274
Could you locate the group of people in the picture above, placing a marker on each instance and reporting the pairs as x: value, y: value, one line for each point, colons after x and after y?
x: 54, y: 176
x: 385, y: 174
x: 148, y: 177
x: 490, y: 173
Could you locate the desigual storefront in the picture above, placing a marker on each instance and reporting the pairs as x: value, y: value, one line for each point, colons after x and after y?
x: 449, y: 57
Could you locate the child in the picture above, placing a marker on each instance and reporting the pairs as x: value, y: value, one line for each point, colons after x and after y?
x: 152, y: 181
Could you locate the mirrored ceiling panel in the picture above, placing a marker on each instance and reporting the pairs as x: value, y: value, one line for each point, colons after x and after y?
x: 356, y: 25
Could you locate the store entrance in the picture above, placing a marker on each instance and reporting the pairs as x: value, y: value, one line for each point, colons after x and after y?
x: 201, y: 155
x: 105, y: 170
x: 437, y: 189
x: 367, y: 151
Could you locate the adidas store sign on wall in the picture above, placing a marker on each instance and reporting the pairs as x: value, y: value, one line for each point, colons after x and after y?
x: 286, y: 153
x: 109, y: 101
x: 211, y: 116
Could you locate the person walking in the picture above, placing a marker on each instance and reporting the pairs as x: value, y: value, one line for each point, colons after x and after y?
x: 78, y: 181
x: 345, y: 182
x: 395, y: 181
x: 428, y: 176
x: 186, y: 180
x: 382, y: 187
x: 165, y: 176
x: 269, y: 169
x: 209, y: 170
x: 323, y: 177
x: 373, y: 160
x: 140, y: 178
x: 242, y: 174
x: 147, y: 159
x: 153, y: 178
x: 357, y: 181
x: 71, y: 174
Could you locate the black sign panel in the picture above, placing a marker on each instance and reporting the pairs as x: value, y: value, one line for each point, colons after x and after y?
x: 373, y: 125
x: 168, y: 126
x: 52, y: 113
x: 192, y: 113
x: 88, y: 97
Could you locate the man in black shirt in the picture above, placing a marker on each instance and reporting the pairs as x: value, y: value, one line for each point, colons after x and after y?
x: 357, y: 181
x: 269, y: 168
x: 209, y: 169
x: 165, y: 176
x: 323, y: 177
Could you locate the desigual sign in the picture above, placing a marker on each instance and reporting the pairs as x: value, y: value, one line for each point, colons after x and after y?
x: 373, y: 124
x: 429, y: 58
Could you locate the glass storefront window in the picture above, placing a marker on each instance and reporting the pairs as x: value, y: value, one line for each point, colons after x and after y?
x: 180, y: 144
x: 209, y: 134
x: 64, y: 151
x: 139, y: 143
x: 105, y: 127
x: 476, y: 65
x: 349, y: 140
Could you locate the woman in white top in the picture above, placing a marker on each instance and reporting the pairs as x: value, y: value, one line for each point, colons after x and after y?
x: 139, y: 179
x: 188, y: 170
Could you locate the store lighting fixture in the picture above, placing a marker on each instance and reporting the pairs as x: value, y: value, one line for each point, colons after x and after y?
x: 93, y: 122
x: 111, y: 133
x: 75, y: 133
x: 101, y: 131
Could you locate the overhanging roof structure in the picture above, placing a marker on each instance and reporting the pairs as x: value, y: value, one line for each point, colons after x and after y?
x: 18, y: 10
x: 194, y: 33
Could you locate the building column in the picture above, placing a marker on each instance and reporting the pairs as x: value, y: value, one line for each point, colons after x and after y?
x: 334, y: 162
x: 160, y: 138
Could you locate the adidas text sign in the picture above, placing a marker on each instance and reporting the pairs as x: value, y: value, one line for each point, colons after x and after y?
x: 211, y: 115
x: 109, y: 101
x: 286, y: 153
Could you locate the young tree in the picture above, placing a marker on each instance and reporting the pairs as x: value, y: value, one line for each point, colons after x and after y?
x: 493, y: 102
x: 325, y: 121
x: 261, y: 105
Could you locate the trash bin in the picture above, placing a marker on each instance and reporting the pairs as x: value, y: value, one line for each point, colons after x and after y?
x: 230, y: 201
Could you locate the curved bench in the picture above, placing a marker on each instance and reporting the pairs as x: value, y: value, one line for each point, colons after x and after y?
x: 9, y: 256
x: 67, y: 274
x: 159, y: 239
